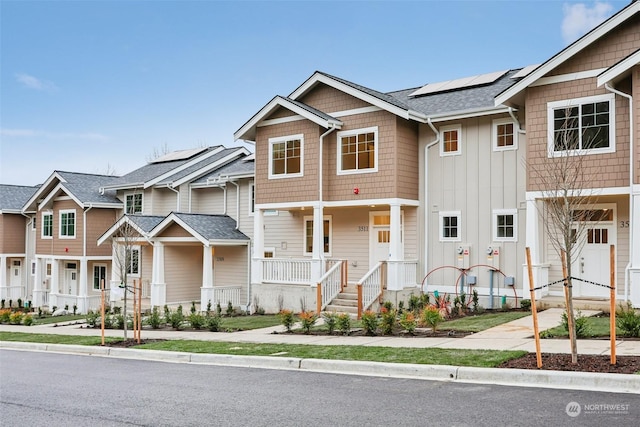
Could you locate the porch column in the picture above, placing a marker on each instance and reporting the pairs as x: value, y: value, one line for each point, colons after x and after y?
x: 532, y: 241
x: 258, y: 246
x: 38, y: 300
x: 634, y: 273
x: 3, y: 277
x: 114, y: 282
x: 394, y: 264
x: 83, y: 303
x: 158, y: 285
x: 206, y: 291
x: 55, y: 283
x: 317, y: 256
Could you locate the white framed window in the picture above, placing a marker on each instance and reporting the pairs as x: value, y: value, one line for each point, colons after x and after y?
x: 450, y: 230
x: 99, y: 275
x: 269, y: 252
x: 33, y: 268
x: 133, y: 261
x: 67, y: 224
x: 358, y: 151
x: 505, y: 225
x: 326, y: 236
x: 47, y: 225
x: 48, y: 269
x: 505, y: 135
x: 286, y: 156
x: 451, y: 140
x: 133, y: 203
x: 581, y: 126
x: 252, y: 198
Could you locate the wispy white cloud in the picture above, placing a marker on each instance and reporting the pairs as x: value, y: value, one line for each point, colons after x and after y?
x: 579, y: 19
x: 31, y: 133
x: 35, y: 83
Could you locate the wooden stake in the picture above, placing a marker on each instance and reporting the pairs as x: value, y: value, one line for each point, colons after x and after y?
x: 102, y: 310
x: 568, y: 304
x: 140, y: 311
x: 612, y: 315
x: 135, y: 311
x: 534, y: 310
x: 318, y: 298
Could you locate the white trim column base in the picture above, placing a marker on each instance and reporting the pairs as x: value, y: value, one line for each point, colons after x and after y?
x: 158, y: 294
x: 207, y: 295
x: 634, y: 287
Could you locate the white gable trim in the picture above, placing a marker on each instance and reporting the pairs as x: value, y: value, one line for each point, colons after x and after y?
x: 188, y: 164
x: 620, y: 68
x: 561, y: 78
x: 569, y: 52
x: 38, y: 194
x: 226, y: 159
x: 107, y: 234
x: 171, y: 219
x: 53, y: 194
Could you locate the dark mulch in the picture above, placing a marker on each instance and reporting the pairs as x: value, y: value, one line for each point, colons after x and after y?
x: 358, y: 332
x: 586, y: 363
x: 130, y: 342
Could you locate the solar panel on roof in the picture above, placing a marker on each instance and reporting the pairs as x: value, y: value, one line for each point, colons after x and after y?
x: 464, y: 82
x: 178, y: 155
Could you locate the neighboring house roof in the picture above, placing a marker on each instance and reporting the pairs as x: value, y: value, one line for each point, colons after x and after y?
x: 83, y: 188
x: 154, y: 172
x: 238, y: 168
x: 206, y: 228
x: 574, y: 48
x: 13, y: 197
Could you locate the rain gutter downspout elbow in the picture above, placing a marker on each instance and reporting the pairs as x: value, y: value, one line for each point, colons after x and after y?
x: 515, y: 119
x: 631, y: 171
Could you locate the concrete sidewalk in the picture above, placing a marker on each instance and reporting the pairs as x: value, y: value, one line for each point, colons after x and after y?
x: 515, y: 335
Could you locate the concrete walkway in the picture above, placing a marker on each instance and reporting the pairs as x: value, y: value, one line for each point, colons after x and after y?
x: 515, y: 335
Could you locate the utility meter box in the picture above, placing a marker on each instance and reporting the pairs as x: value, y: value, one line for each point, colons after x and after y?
x: 464, y: 253
x: 493, y: 255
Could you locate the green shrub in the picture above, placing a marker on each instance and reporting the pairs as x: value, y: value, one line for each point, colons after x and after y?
x: 167, y: 314
x: 475, y: 301
x: 370, y: 322
x: 213, y: 322
x: 628, y: 321
x: 92, y: 318
x: 230, y: 309
x: 19, y: 302
x: 197, y: 320
x: 154, y: 319
x: 177, y: 319
x: 287, y: 319
x: 2, y: 304
x: 408, y: 322
x: 120, y: 321
x: 387, y: 320
x: 108, y: 321
x: 525, y: 304
x: 414, y: 303
x: 5, y: 315
x: 15, y: 318
x: 218, y: 309
x: 27, y: 320
x: 193, y: 307
x: 307, y: 320
x: 581, y: 323
x: 344, y: 323
x: 330, y: 321
x: 431, y: 317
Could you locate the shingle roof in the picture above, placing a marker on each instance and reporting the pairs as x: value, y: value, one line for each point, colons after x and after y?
x: 146, y: 222
x: 153, y: 170
x: 237, y: 167
x: 13, y: 197
x: 213, y: 227
x: 86, y: 187
x: 472, y: 98
x: 199, y: 165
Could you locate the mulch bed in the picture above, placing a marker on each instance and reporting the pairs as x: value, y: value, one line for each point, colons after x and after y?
x: 586, y: 363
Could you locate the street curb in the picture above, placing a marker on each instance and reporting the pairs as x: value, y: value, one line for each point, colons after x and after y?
x: 615, y: 383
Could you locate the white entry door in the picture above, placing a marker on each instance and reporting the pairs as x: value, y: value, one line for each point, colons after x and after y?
x: 379, y: 237
x: 70, y: 285
x: 593, y: 261
x: 16, y: 273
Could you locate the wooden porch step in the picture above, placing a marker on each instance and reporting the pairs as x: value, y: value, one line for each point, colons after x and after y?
x: 332, y: 308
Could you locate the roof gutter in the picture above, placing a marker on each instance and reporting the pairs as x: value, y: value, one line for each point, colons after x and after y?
x: 631, y: 171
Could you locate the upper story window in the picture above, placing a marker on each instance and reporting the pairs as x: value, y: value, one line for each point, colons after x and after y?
x: 358, y: 151
x: 450, y: 140
x: 286, y: 156
x: 505, y: 225
x: 68, y: 224
x: 47, y: 225
x: 252, y: 198
x: 581, y: 126
x: 450, y: 226
x: 133, y: 203
x: 505, y: 135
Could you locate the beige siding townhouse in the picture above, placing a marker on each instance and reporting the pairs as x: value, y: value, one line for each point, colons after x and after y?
x: 590, y: 92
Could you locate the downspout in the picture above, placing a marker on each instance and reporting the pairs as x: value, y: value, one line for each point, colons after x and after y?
x: 27, y: 251
x: 84, y: 230
x: 320, y: 174
x: 631, y: 170
x: 237, y: 204
x: 426, y: 193
x: 170, y: 187
x: 515, y: 119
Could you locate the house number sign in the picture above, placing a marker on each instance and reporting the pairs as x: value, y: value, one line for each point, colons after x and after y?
x: 363, y: 228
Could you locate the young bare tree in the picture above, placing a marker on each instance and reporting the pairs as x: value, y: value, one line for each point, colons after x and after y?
x: 126, y: 259
x: 569, y: 200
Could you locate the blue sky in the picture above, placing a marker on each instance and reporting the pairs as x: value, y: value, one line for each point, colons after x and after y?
x: 88, y: 86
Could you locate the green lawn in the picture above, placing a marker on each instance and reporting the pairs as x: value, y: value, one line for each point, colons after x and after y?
x: 477, y: 323
x: 432, y: 356
x: 55, y: 319
x: 598, y: 327
x: 245, y: 323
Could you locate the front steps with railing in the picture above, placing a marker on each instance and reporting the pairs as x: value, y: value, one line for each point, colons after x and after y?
x: 345, y: 302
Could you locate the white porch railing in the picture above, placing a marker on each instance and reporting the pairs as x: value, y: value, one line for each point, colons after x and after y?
x: 370, y: 286
x: 288, y: 271
x: 11, y: 293
x: 61, y: 301
x: 45, y: 297
x: 94, y: 302
x: 224, y: 294
x: 330, y: 284
x: 410, y: 273
x: 146, y: 289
